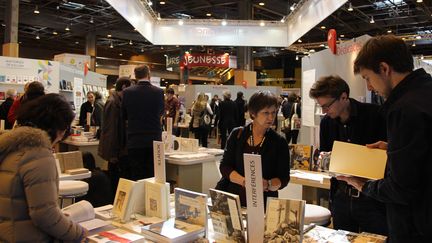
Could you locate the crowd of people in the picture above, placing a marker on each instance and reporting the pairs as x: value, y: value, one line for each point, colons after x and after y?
x: 399, y: 205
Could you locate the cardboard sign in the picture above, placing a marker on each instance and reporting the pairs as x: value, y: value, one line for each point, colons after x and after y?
x: 254, y: 197
x: 159, y: 161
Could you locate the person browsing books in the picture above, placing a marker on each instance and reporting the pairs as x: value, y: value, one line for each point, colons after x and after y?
x: 257, y: 138
x: 386, y: 64
x: 349, y: 121
x: 28, y: 174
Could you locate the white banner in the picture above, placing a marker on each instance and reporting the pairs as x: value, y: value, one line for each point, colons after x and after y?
x: 159, y: 161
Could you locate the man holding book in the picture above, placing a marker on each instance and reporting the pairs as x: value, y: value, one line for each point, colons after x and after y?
x: 386, y: 64
x: 349, y: 121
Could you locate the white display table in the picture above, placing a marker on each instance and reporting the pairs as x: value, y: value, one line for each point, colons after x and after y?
x: 92, y: 147
x: 193, y: 171
x: 64, y: 177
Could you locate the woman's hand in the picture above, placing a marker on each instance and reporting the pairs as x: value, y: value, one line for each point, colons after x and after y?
x: 379, y: 145
x: 275, y: 184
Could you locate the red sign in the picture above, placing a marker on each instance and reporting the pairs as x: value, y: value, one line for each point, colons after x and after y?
x: 331, y: 40
x: 204, y: 60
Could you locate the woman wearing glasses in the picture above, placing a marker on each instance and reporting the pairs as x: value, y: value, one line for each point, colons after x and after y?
x: 256, y: 138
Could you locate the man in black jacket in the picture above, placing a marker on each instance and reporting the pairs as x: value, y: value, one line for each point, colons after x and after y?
x: 349, y: 121
x: 386, y: 64
x: 228, y: 117
x: 143, y: 106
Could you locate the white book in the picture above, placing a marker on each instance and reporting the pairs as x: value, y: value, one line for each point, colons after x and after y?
x: 83, y: 213
x: 191, y: 207
x: 137, y: 223
x: 125, y: 199
x: 104, y: 212
x: 116, y: 235
x: 173, y: 230
x: 157, y: 199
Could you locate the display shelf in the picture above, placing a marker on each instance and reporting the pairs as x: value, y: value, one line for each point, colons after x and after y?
x: 18, y: 84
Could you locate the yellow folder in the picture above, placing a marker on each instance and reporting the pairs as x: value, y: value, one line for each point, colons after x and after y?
x: 357, y: 160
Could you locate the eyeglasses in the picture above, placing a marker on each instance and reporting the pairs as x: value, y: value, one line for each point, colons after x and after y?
x: 327, y: 106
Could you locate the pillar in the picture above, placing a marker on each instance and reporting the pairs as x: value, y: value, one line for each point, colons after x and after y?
x: 10, y: 46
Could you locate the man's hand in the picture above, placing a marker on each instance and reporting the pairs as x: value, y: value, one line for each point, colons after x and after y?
x: 379, y: 145
x: 356, y: 182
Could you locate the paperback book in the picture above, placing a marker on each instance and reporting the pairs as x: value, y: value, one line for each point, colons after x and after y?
x: 284, y: 220
x: 226, y: 217
x: 300, y: 156
x: 157, y: 199
x: 128, y: 196
x: 116, y: 235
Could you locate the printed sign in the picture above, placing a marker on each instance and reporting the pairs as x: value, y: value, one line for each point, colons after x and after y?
x: 196, y: 60
x: 159, y: 161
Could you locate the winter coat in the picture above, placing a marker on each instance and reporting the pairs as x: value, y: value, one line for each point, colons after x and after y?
x: 29, y: 190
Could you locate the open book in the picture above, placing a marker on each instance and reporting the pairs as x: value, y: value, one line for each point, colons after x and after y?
x: 71, y: 162
x: 83, y: 213
x: 357, y: 160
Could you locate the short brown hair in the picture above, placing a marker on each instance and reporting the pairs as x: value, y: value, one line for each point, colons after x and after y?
x: 142, y: 71
x: 260, y: 100
x: 385, y: 48
x: 332, y: 86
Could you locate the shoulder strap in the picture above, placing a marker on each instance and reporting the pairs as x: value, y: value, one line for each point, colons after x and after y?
x: 239, y: 133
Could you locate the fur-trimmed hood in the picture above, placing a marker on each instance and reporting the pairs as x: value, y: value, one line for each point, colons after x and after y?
x: 22, y: 138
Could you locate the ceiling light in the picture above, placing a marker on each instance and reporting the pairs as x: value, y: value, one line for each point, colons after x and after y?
x: 262, y: 23
x: 208, y: 14
x: 161, y: 2
x: 36, y: 11
x: 67, y: 28
x: 76, y: 42
x: 150, y: 3
x: 293, y: 6
x: 130, y: 42
x: 159, y: 16
x: 300, y: 41
x: 342, y: 36
x: 297, y: 58
x: 109, y: 35
x: 120, y: 54
x: 142, y: 49
x: 54, y: 32
x: 180, y: 22
x: 419, y: 1
x: 91, y: 20
x: 37, y: 37
x: 224, y: 22
x: 161, y: 47
x: 261, y: 4
x: 413, y: 44
x: 421, y: 57
x: 322, y: 45
x: 283, y: 19
x: 253, y: 51
x: 389, y: 31
x: 350, y: 8
x: 372, y: 21
x: 323, y: 27
x: 111, y: 45
x: 312, y: 50
x: 418, y: 37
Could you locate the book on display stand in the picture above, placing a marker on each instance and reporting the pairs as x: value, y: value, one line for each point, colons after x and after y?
x: 83, y: 213
x: 301, y: 156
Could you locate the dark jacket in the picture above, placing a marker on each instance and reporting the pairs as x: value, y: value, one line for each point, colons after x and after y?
x: 407, y: 186
x: 143, y: 105
x: 112, y: 142
x: 228, y: 115
x: 274, y: 156
x: 241, y: 106
x: 96, y: 118
x: 85, y: 107
x: 4, y: 110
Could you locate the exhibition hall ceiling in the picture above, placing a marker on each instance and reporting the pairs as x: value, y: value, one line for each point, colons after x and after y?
x: 62, y: 25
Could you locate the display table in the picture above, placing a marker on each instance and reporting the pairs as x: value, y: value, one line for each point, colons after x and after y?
x: 92, y: 147
x: 312, y: 183
x: 192, y: 171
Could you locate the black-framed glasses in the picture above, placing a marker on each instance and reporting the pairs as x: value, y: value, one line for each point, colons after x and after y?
x: 327, y: 106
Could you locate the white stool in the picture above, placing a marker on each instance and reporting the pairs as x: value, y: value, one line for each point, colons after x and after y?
x: 71, y: 189
x: 317, y: 215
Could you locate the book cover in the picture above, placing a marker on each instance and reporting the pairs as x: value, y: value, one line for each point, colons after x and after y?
x: 284, y: 220
x: 318, y: 234
x: 191, y: 207
x: 70, y: 160
x: 226, y: 216
x: 2, y: 95
x: 83, y: 213
x: 357, y: 160
x: 123, y: 201
x: 300, y: 156
x: 116, y: 235
x: 173, y: 230
x: 157, y: 199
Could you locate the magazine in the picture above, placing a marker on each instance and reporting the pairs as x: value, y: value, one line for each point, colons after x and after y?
x: 284, y: 220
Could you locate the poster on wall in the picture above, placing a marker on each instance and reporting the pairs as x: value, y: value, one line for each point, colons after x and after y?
x: 308, y: 104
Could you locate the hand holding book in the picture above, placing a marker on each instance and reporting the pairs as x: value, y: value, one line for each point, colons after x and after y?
x: 356, y: 182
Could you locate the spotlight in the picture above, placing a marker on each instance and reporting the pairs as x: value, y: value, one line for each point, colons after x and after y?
x: 372, y: 21
x: 180, y: 22
x: 67, y: 28
x: 350, y: 8
x: 37, y: 37
x: 36, y: 11
x: 262, y: 23
x: 224, y: 22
